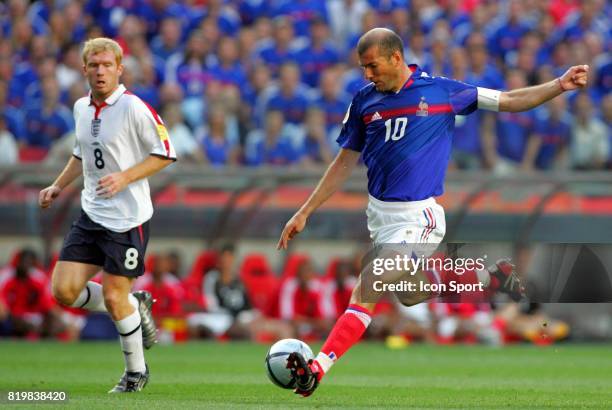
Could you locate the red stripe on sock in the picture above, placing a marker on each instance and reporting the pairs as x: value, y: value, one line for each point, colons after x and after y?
x: 360, y: 309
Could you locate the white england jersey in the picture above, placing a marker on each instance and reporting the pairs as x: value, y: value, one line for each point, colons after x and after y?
x: 113, y: 137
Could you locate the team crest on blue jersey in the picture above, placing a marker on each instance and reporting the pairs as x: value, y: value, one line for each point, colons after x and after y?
x: 95, y: 127
x: 423, y: 110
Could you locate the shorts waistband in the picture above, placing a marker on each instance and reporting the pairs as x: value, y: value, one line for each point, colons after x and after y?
x: 400, y: 206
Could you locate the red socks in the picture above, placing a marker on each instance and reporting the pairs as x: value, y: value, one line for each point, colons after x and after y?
x: 346, y: 332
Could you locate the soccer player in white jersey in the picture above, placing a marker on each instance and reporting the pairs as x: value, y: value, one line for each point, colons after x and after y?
x: 401, y: 124
x: 120, y: 141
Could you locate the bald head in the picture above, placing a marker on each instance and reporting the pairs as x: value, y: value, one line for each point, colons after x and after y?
x: 386, y: 40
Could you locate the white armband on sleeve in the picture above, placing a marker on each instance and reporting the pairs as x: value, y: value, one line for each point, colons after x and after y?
x: 488, y: 99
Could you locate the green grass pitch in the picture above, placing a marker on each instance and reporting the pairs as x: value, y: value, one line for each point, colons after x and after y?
x: 231, y: 375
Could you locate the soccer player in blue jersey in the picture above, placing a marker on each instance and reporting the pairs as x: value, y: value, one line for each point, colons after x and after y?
x: 402, y: 125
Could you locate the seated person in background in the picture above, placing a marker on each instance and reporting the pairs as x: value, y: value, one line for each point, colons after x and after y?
x: 25, y: 293
x: 165, y: 288
x: 338, y: 288
x: 590, y: 145
x: 316, y: 145
x: 229, y: 312
x: 465, y: 322
x: 302, y: 302
x: 273, y: 144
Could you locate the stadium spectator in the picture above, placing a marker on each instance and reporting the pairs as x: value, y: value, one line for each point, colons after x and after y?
x: 9, y: 150
x: 70, y: 67
x: 292, y: 96
x: 228, y: 309
x: 12, y: 116
x: 513, y: 131
x: 606, y: 110
x: 603, y: 81
x: 217, y: 147
x: 164, y: 287
x: 302, y: 302
x: 190, y: 68
x: 589, y: 17
x: 507, y: 38
x: 339, y: 286
x: 21, y: 37
x: 317, y: 54
x: 48, y: 122
x: 225, y: 15
x: 548, y: 146
x: 465, y: 322
x: 25, y: 291
x: 316, y: 142
x: 416, y: 51
x: 108, y: 15
x: 273, y: 144
x: 478, y: 23
x: 399, y: 21
x: 276, y: 51
x: 67, y: 24
x: 590, y: 145
x: 168, y: 42
x: 255, y: 95
x: 185, y: 144
x: 301, y: 12
x: 146, y: 86
x: 345, y: 19
x: 228, y: 71
x: 332, y: 100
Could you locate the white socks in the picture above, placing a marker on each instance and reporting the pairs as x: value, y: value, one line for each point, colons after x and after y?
x: 324, y: 361
x: 130, y: 334
x: 91, y: 298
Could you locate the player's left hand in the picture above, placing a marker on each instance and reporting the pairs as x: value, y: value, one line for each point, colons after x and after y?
x: 575, y: 77
x: 111, y: 184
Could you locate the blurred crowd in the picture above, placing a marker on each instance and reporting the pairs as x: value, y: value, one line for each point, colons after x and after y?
x: 221, y: 297
x: 268, y: 82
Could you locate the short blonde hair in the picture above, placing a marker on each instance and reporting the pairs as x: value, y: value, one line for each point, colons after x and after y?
x: 97, y: 45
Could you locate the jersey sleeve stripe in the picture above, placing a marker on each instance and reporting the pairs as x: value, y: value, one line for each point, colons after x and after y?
x: 161, y: 129
x: 432, y: 109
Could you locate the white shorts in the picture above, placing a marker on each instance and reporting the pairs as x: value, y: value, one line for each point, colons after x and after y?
x: 416, y: 222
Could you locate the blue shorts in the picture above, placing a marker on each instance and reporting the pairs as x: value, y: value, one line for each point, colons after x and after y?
x: 119, y: 253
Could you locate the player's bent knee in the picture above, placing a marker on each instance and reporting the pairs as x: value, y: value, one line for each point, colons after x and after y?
x: 64, y: 294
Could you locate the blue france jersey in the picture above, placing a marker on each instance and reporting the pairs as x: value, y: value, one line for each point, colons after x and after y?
x: 405, y: 137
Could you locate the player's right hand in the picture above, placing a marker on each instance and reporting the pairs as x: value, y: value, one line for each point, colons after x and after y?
x: 47, y: 195
x: 295, y: 225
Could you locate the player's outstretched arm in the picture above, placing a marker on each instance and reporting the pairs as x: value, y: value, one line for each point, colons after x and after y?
x: 337, y: 172
x: 116, y: 182
x: 527, y: 98
x: 71, y: 171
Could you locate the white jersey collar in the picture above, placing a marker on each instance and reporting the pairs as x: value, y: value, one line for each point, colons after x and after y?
x: 113, y: 97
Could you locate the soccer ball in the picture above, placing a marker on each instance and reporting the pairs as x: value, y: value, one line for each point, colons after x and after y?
x: 276, y: 361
